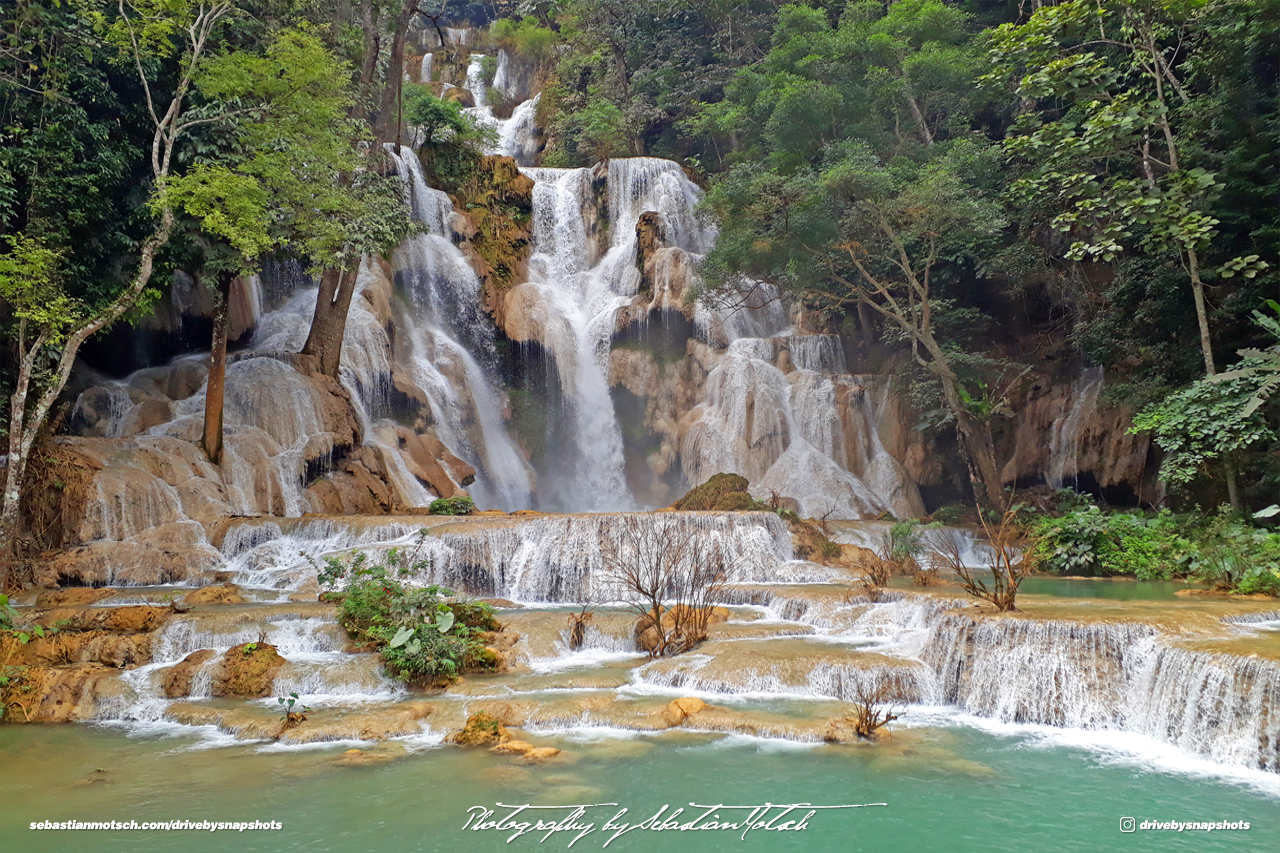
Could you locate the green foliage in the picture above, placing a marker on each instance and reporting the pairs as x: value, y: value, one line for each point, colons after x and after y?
x: 1217, y: 416
x: 901, y: 542
x: 291, y: 172
x: 423, y: 633
x: 1091, y: 542
x: 288, y: 703
x: 30, y: 283
x: 1236, y: 556
x: 8, y: 616
x: 526, y: 37
x: 452, y: 506
x: 488, y: 68
x: 1219, y: 549
x: 951, y: 513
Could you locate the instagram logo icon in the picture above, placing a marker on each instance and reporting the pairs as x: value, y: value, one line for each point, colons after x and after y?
x: 1127, y: 825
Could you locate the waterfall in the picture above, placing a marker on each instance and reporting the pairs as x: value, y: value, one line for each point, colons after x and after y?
x: 516, y: 136
x: 574, y: 305
x: 786, y: 434
x: 450, y: 335
x: 1086, y: 676
x: 1064, y: 438
x: 424, y: 74
x: 562, y: 558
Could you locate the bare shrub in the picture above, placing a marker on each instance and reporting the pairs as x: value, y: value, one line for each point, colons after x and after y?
x: 1009, y: 561
x: 578, y: 623
x: 672, y: 572
x: 874, y: 710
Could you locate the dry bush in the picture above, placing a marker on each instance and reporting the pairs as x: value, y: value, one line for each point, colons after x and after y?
x: 1009, y: 563
x: 672, y: 572
x: 578, y: 623
x: 873, y: 711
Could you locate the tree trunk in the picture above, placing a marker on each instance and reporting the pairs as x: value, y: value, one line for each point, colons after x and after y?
x: 369, y: 64
x: 921, y: 124
x: 1202, y: 315
x: 215, y: 391
x: 25, y: 426
x: 980, y: 452
x: 19, y: 449
x: 330, y: 320
x: 977, y: 446
x: 388, y: 129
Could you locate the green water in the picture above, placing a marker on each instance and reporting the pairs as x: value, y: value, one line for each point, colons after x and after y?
x: 947, y: 789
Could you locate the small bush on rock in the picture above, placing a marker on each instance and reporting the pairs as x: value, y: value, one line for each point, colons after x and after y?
x: 452, y: 506
x: 425, y: 634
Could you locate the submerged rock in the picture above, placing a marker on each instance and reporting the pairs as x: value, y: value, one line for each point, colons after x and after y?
x: 481, y: 730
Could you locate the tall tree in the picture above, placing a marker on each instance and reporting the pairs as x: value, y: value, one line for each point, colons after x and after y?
x: 1099, y: 141
x: 859, y: 183
x: 173, y: 35
x: 292, y: 175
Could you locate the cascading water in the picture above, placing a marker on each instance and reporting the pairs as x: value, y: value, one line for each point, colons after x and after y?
x: 1064, y: 439
x: 516, y: 135
x: 450, y: 333
x: 786, y: 433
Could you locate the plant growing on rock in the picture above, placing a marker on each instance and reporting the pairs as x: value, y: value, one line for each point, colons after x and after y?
x: 424, y: 634
x: 291, y: 717
x: 452, y: 506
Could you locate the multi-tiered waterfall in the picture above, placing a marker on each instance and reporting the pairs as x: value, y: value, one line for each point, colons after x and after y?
x: 762, y: 401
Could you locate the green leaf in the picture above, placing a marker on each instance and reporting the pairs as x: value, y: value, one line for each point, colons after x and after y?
x: 445, y: 621
x: 402, y: 636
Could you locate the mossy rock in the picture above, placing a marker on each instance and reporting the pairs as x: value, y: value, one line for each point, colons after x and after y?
x: 809, y: 543
x: 723, y: 493
x: 459, y: 95
x: 482, y: 730
x: 247, y: 671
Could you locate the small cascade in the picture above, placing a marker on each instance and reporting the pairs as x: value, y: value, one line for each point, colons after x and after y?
x: 562, y: 558
x: 265, y: 556
x: 1110, y: 676
x: 424, y: 74
x: 1225, y: 708
x: 817, y: 353
x: 317, y: 668
x: 516, y: 135
x: 1064, y: 438
x: 125, y: 506
x: 1053, y: 673
x: 810, y: 670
